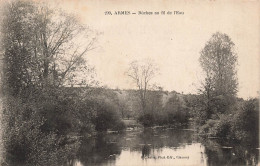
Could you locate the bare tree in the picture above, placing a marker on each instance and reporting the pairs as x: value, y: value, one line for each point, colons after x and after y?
x: 142, y: 73
x: 43, y: 46
x: 61, y: 41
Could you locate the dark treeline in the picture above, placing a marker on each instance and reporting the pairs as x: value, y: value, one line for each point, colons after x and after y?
x: 41, y: 56
x: 44, y: 115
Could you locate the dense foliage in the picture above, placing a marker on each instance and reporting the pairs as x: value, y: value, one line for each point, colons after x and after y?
x: 217, y: 111
x: 42, y: 117
x: 165, y: 109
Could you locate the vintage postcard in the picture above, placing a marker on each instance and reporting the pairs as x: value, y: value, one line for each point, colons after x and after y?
x: 129, y: 83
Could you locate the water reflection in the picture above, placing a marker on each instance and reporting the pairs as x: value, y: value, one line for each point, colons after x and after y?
x: 160, y: 147
x: 220, y: 153
x: 146, y: 150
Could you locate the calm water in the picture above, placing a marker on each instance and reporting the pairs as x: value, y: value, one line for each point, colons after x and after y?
x: 157, y: 147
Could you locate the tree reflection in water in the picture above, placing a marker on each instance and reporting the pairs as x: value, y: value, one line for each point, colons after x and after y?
x: 146, y: 150
x: 221, y: 153
x: 135, y: 146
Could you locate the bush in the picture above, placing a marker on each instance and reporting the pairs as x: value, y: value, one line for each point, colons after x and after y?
x: 223, y: 127
x: 209, y: 128
x: 164, y: 118
x: 240, y: 124
x: 66, y: 112
x: 217, y: 128
x: 58, y: 118
x: 147, y: 120
x: 245, y: 123
x: 107, y: 117
x: 118, y: 126
x: 178, y: 116
x: 23, y: 140
x: 161, y: 119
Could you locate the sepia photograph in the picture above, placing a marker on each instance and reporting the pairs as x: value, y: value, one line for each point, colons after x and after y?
x: 129, y: 83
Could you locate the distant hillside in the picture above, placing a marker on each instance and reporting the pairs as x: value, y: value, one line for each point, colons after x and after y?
x: 127, y: 101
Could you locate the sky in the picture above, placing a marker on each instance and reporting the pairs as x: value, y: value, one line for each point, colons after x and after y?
x: 173, y: 42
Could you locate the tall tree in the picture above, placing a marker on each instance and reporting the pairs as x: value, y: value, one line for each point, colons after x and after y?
x: 16, y: 44
x: 142, y: 73
x: 218, y: 60
x: 62, y: 43
x: 42, y: 46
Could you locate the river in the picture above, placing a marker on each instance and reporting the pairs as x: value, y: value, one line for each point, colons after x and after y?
x: 161, y: 147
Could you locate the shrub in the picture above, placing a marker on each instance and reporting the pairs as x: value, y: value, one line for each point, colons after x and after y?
x: 245, y: 123
x: 147, y: 120
x: 161, y: 119
x: 23, y: 140
x: 240, y: 124
x: 178, y: 116
x: 209, y: 128
x: 222, y: 128
x: 107, y: 117
x: 118, y: 126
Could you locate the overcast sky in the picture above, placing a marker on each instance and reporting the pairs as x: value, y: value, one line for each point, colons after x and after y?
x: 174, y: 42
